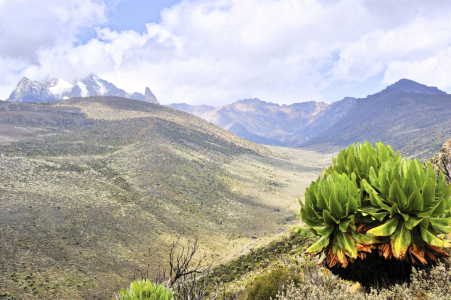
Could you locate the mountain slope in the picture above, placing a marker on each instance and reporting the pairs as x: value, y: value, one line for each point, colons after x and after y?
x: 94, y: 190
x: 197, y: 110
x: 407, y: 115
x: 334, y: 112
x: 407, y: 85
x: 58, y: 89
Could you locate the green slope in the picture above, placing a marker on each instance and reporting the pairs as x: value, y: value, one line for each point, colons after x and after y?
x: 94, y: 190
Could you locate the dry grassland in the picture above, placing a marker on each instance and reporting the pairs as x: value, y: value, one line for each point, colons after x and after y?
x: 96, y: 199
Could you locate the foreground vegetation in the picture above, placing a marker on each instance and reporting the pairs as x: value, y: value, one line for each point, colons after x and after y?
x: 348, y: 208
x: 282, y: 270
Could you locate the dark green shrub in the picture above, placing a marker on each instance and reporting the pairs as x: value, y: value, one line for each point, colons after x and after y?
x: 268, y: 285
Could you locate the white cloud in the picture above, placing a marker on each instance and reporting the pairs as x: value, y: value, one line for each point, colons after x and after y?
x: 433, y: 70
x: 220, y: 51
x: 29, y: 28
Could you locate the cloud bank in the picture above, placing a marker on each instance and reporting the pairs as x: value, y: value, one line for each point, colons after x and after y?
x: 216, y: 52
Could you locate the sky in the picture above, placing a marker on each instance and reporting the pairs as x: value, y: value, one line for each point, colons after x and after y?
x: 217, y: 52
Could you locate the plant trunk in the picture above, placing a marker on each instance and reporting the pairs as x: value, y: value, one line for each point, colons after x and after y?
x: 376, y: 272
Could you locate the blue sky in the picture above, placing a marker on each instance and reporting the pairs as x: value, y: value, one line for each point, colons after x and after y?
x: 216, y: 52
x: 130, y: 15
x: 135, y: 14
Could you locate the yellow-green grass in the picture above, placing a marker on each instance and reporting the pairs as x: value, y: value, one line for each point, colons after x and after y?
x: 93, y: 192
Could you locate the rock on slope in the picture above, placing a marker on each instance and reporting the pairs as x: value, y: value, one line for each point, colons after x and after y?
x: 59, y: 89
x: 442, y: 160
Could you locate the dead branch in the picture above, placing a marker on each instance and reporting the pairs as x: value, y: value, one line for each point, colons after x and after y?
x: 188, y: 276
x: 180, y: 263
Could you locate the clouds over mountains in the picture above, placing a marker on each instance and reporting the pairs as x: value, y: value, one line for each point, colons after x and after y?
x: 281, y: 51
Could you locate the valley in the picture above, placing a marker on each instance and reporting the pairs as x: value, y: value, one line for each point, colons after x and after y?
x: 407, y: 115
x: 94, y: 190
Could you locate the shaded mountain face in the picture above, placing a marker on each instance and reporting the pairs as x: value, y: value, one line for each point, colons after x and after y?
x: 270, y: 123
x: 59, y: 89
x: 411, y: 117
x: 334, y: 112
x: 150, y: 97
x: 406, y: 85
x: 408, y: 115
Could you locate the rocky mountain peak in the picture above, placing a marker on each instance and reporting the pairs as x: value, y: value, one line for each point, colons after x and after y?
x: 30, y: 91
x: 59, y: 89
x: 402, y: 85
x: 24, y: 80
x: 150, y: 97
x: 407, y: 85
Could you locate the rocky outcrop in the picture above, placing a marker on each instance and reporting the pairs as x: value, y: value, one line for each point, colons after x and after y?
x: 442, y: 161
x: 30, y: 91
x: 150, y: 97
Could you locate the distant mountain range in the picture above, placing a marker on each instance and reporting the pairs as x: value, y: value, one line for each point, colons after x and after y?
x: 407, y: 115
x: 271, y: 123
x: 59, y: 89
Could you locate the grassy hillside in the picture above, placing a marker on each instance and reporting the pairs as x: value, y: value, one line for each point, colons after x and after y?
x: 94, y: 190
x: 415, y: 123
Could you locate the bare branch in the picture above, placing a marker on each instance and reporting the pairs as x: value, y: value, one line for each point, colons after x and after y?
x: 180, y: 263
x: 188, y: 276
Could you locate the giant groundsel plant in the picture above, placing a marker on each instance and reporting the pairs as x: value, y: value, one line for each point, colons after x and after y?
x: 370, y: 199
x: 145, y: 290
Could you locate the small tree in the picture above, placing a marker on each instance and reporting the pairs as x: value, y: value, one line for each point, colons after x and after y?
x: 188, y: 275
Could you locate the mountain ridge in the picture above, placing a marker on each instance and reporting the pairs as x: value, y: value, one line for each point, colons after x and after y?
x: 407, y: 85
x: 270, y: 123
x: 404, y: 85
x: 298, y: 124
x: 416, y: 123
x: 59, y: 89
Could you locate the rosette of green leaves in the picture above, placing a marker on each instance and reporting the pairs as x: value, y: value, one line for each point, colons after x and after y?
x: 411, y: 205
x: 359, y: 159
x: 330, y: 204
x: 144, y: 289
x: 407, y: 209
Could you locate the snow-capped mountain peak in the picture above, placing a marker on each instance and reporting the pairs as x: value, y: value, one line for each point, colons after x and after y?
x: 59, y: 89
x: 59, y: 86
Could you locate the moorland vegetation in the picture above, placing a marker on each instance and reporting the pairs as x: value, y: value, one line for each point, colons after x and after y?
x: 381, y: 220
x: 378, y: 220
x: 94, y: 190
